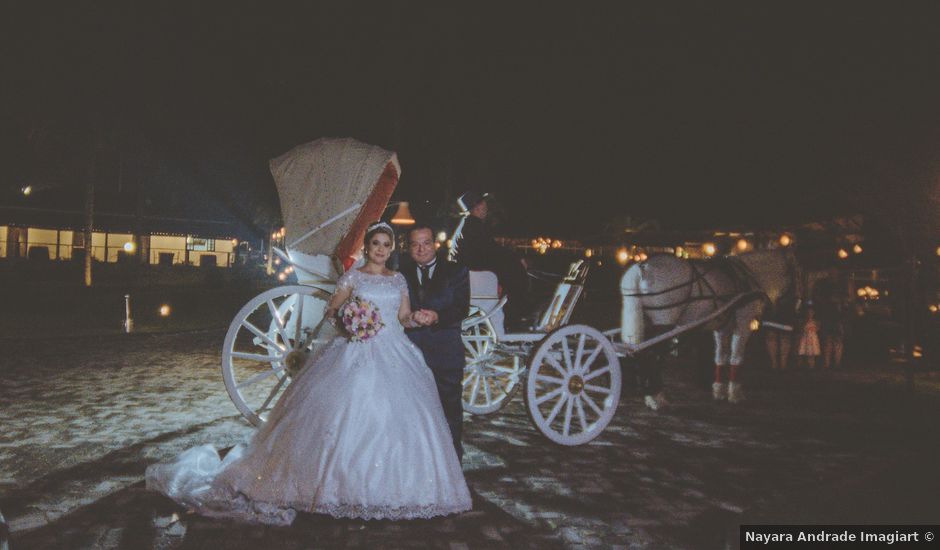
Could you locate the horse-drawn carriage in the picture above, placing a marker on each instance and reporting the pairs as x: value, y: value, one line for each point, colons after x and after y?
x: 331, y: 189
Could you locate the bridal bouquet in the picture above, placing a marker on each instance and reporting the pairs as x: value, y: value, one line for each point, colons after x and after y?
x: 361, y: 319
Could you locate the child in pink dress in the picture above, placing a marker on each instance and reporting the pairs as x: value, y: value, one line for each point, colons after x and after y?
x: 809, y: 340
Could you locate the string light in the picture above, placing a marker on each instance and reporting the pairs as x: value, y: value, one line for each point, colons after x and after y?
x: 709, y: 249
x: 542, y: 244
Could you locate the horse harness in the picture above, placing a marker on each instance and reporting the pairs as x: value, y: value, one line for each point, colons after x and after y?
x: 739, y: 274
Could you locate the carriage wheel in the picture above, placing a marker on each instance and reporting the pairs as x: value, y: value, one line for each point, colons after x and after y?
x: 268, y: 343
x: 573, y: 386
x: 491, y: 376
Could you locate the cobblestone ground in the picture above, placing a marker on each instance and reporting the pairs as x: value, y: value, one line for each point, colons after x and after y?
x: 83, y: 418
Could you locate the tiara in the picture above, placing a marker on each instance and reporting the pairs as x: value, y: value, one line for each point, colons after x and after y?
x: 378, y: 225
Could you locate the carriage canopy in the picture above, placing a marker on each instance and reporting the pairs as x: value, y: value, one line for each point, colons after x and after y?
x: 330, y: 190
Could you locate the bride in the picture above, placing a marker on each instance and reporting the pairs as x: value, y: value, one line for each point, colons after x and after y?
x: 360, y: 433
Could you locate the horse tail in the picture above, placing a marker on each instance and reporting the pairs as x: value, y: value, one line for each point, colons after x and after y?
x: 631, y: 316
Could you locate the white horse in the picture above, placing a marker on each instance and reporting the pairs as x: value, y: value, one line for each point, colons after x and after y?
x: 669, y: 292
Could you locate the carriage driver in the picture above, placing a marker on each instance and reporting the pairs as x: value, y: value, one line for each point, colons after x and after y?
x: 473, y: 245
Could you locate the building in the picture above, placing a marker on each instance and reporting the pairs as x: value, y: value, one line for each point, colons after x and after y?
x: 50, y: 226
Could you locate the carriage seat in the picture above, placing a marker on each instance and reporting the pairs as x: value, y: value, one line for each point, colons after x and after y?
x: 485, y: 294
x: 311, y: 269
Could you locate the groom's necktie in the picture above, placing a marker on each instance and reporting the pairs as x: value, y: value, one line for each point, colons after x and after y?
x: 425, y: 280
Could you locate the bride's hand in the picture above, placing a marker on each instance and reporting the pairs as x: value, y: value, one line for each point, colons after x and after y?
x: 430, y: 316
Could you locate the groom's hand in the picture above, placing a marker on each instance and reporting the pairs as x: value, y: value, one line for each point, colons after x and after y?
x: 429, y: 315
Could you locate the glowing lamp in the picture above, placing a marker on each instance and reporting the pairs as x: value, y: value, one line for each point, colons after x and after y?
x: 441, y: 237
x: 755, y: 325
x: 678, y: 251
x: 282, y: 276
x: 27, y: 190
x: 623, y: 256
x: 861, y: 292
x: 588, y: 253
x: 643, y: 256
x: 785, y: 240
x: 938, y: 251
x: 709, y: 249
x: 165, y: 310
x: 933, y: 308
x: 842, y: 253
x: 742, y: 245
x: 277, y: 261
x: 234, y: 242
x: 403, y: 215
x: 857, y: 249
x: 274, y: 235
x: 129, y: 247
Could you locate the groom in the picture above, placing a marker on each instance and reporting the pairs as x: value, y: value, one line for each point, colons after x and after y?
x: 440, y: 299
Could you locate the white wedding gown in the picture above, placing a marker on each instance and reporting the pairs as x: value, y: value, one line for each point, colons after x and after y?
x: 360, y: 433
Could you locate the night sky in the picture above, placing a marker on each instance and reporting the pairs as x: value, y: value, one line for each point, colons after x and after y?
x: 696, y: 116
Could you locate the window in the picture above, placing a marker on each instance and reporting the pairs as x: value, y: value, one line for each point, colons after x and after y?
x: 200, y: 244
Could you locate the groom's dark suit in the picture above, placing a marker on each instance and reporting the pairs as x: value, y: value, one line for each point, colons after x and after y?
x: 448, y: 294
